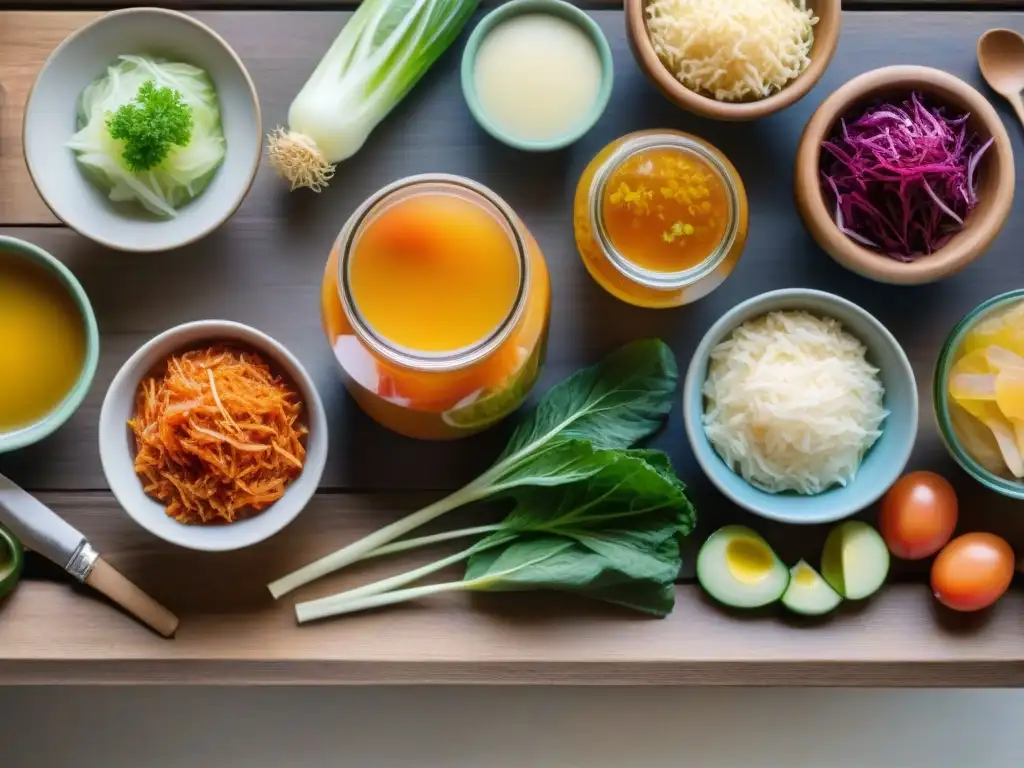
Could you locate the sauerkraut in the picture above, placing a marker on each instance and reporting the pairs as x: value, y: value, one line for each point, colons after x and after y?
x: 791, y: 402
x: 186, y: 171
x: 733, y: 50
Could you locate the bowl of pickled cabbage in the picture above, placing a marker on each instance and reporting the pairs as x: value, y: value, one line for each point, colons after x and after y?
x: 978, y: 393
x: 142, y: 131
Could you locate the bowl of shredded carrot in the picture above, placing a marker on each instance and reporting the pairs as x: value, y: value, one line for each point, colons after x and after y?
x: 213, y: 436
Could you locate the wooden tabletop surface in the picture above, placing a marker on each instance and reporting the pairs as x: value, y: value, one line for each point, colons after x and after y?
x: 263, y: 268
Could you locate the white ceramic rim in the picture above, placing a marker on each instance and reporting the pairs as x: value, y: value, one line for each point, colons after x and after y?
x: 257, y: 154
x: 116, y: 457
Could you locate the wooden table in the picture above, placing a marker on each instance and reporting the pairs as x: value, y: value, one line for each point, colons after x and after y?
x: 274, y: 250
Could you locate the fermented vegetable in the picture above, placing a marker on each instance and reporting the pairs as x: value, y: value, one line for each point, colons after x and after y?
x: 732, y: 50
x: 381, y: 53
x: 218, y: 435
x: 988, y: 383
x: 150, y: 131
x: 902, y: 176
x: 572, y: 435
x: 792, y: 403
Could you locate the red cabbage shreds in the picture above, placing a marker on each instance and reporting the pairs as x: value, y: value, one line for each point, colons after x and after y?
x: 902, y: 177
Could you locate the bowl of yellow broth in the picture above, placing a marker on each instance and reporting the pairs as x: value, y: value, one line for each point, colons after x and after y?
x: 49, y: 344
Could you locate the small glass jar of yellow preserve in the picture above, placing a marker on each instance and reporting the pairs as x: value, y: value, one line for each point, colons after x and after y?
x: 660, y: 218
x: 436, y: 301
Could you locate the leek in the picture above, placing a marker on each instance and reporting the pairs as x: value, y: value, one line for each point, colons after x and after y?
x: 381, y: 53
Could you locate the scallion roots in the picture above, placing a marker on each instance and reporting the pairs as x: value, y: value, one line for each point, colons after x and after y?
x: 296, y: 159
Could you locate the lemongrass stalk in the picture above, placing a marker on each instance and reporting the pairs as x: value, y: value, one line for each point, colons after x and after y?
x: 337, y: 605
x: 357, y: 550
x: 424, y: 541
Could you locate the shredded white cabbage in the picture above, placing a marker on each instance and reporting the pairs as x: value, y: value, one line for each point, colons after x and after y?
x: 732, y: 49
x: 791, y: 403
x: 186, y: 171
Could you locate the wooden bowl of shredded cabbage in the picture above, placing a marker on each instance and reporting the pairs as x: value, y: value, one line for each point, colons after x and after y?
x: 733, y: 59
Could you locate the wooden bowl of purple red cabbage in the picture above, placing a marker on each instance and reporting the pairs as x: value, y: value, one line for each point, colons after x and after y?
x: 904, y: 175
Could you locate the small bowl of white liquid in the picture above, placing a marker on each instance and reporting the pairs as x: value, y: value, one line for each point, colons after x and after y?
x: 537, y: 74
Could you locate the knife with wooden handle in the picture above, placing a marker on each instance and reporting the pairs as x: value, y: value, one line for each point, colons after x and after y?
x: 41, y: 529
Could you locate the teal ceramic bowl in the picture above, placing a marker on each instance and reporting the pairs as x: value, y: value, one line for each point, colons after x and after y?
x: 24, y: 436
x: 554, y: 8
x: 883, y: 463
x: 957, y: 427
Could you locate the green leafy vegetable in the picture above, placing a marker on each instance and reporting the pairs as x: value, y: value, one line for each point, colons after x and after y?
x: 158, y: 120
x: 381, y: 53
x: 612, y: 536
x: 611, y: 405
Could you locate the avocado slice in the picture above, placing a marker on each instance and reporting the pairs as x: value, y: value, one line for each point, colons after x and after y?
x: 855, y: 561
x: 808, y: 593
x: 738, y: 568
x: 11, y: 561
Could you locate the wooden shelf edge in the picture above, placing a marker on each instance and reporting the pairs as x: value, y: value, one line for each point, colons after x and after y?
x: 855, y: 674
x: 51, y: 634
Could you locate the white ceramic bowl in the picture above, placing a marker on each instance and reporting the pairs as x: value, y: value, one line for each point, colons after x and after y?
x: 50, y: 121
x: 117, y: 445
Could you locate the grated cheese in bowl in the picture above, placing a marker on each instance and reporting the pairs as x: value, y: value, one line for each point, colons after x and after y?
x: 734, y: 50
x: 791, y: 403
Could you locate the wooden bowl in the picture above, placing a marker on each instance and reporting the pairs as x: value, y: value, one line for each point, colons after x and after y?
x: 826, y: 38
x: 995, y: 175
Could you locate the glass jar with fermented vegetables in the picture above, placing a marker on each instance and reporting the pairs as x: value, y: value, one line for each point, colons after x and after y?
x: 436, y: 301
x: 660, y: 218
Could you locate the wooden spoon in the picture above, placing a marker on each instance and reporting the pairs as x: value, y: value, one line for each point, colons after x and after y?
x: 1001, y: 59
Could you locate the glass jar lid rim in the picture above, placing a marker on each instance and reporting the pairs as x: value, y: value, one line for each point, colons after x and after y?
x: 648, y: 277
x: 417, y: 359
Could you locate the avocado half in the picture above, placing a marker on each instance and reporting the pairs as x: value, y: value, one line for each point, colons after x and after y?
x: 737, y: 568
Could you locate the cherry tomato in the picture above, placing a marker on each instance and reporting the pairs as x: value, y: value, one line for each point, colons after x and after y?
x: 972, y: 571
x: 918, y: 515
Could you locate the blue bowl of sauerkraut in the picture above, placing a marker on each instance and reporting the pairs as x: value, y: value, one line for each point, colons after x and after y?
x: 800, y: 406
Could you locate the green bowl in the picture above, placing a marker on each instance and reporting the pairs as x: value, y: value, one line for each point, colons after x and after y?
x: 24, y: 436
x: 944, y: 410
x: 554, y: 8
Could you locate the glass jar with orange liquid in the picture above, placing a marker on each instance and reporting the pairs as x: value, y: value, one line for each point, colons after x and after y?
x: 436, y: 301
x: 660, y: 218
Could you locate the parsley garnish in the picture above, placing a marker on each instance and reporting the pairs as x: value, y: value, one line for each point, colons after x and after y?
x: 150, y: 127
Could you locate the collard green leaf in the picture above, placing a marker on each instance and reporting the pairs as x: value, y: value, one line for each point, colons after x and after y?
x: 544, y: 562
x: 625, y: 486
x: 613, y: 536
x: 613, y: 404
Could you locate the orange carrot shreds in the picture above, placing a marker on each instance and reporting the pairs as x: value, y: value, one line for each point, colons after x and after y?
x: 218, y: 436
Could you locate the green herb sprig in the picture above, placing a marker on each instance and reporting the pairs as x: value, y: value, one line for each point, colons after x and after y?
x: 156, y: 122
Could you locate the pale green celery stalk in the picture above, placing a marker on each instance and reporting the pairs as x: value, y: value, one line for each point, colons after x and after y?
x: 337, y: 605
x: 348, y: 602
x: 358, y: 550
x: 425, y: 541
x: 400, y: 580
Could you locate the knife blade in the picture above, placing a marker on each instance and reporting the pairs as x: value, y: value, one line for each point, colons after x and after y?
x: 37, y: 526
x: 40, y: 528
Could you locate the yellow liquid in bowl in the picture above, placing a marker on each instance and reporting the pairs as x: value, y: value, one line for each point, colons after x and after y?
x: 42, y: 342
